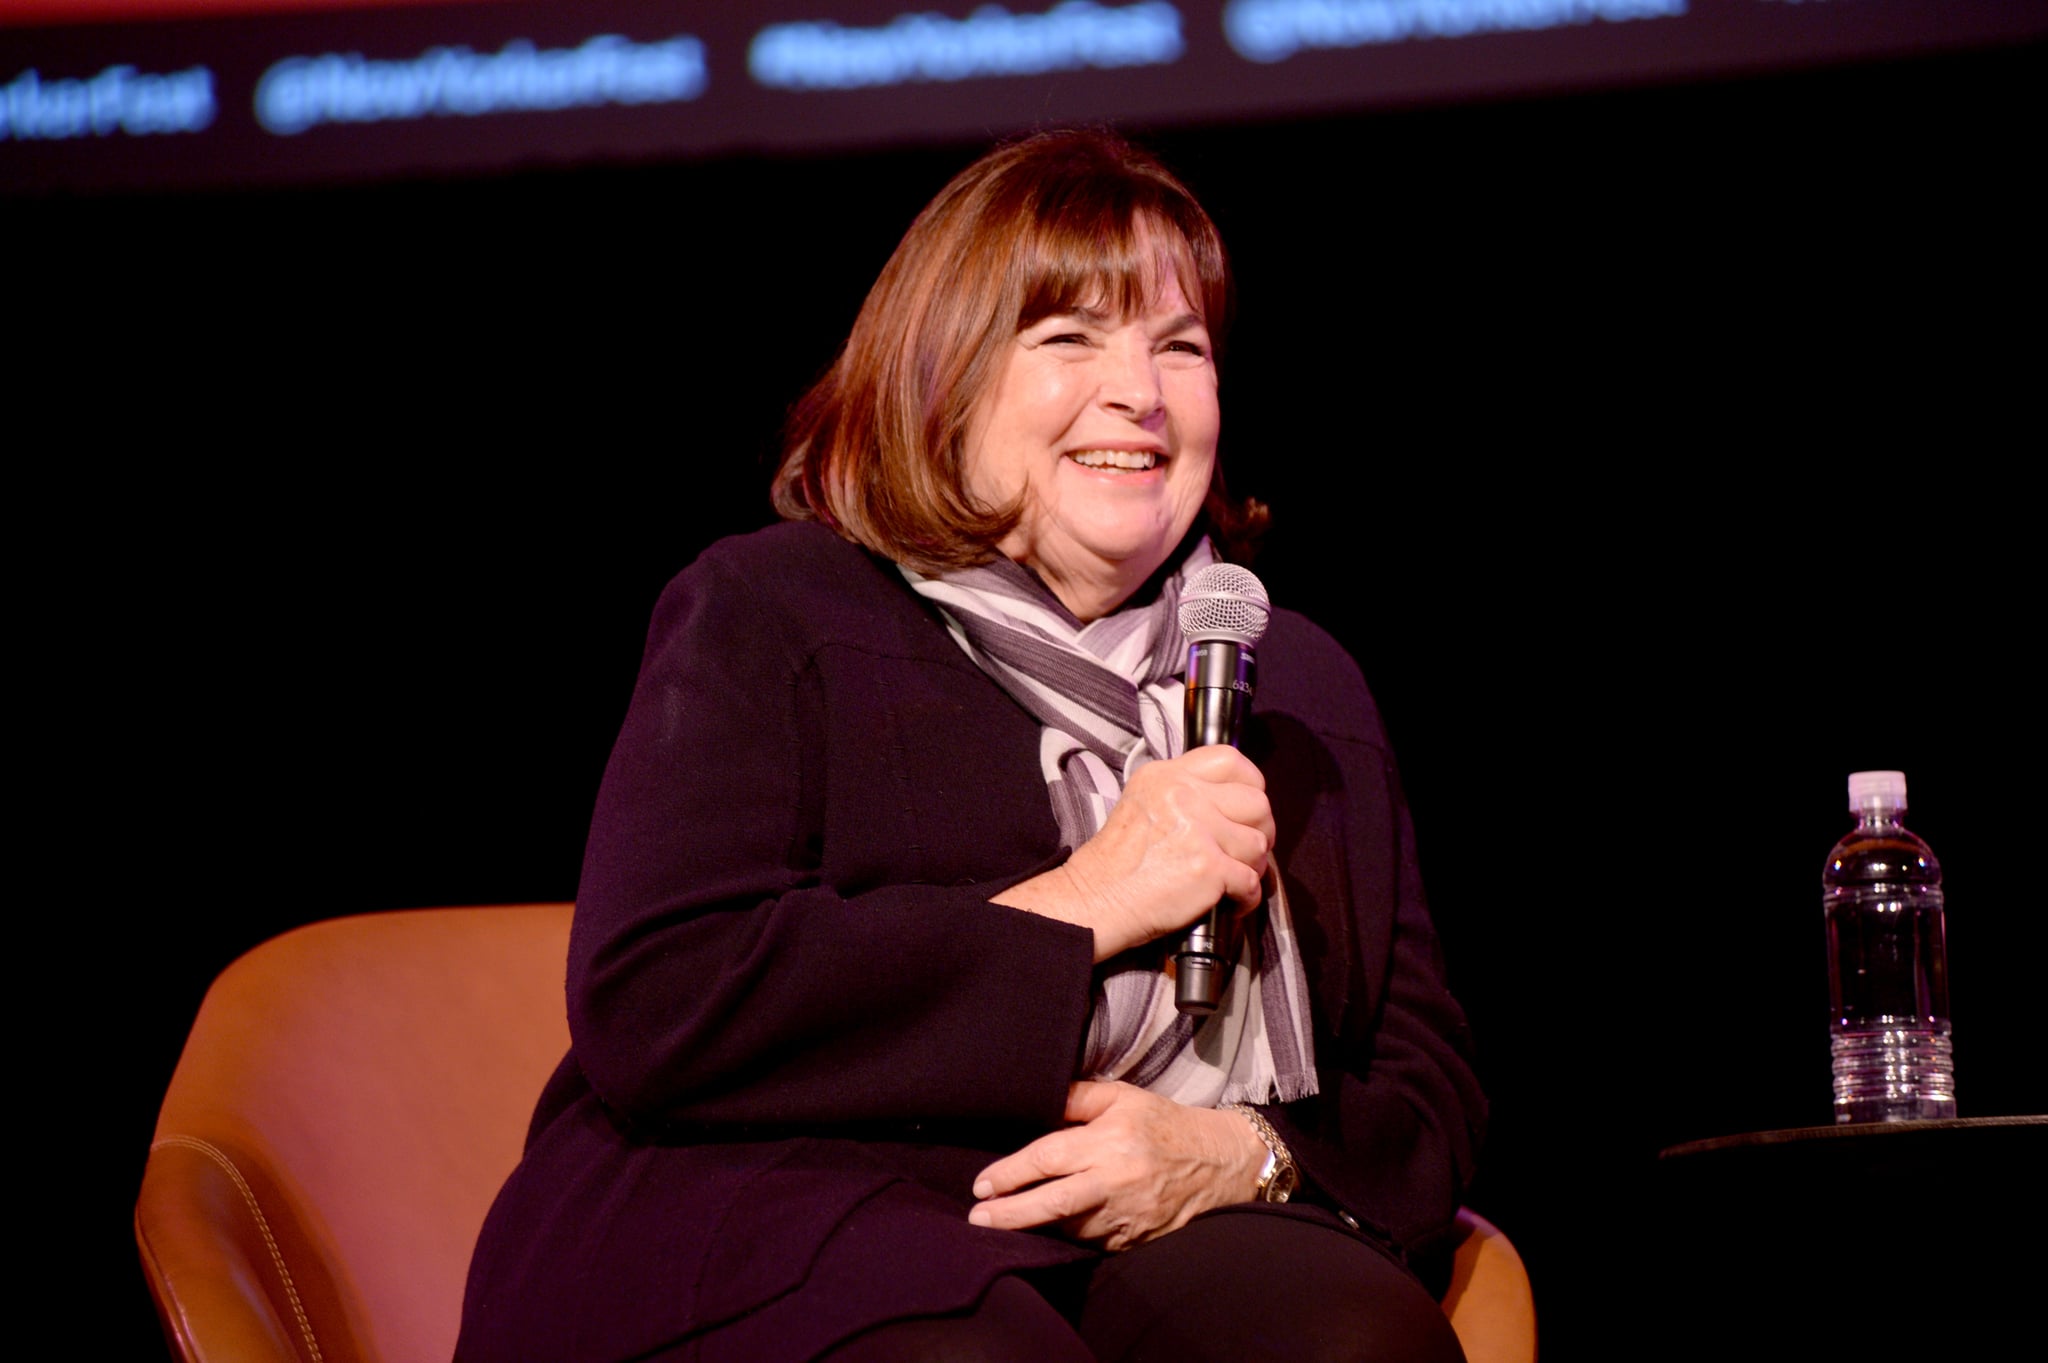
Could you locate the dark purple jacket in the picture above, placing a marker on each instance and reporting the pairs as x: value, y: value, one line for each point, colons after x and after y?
x: 799, y: 1027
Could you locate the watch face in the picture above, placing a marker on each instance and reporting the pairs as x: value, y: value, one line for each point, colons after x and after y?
x: 1285, y: 1181
x: 1281, y: 1184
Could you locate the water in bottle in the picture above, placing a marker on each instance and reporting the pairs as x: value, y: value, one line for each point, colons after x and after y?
x: 1887, y: 964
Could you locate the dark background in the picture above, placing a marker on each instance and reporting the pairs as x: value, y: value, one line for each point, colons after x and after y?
x: 1661, y: 454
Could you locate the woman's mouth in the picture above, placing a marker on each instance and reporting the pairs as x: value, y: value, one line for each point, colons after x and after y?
x: 1136, y: 460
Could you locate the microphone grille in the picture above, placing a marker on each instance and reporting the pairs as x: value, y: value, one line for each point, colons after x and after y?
x: 1224, y: 601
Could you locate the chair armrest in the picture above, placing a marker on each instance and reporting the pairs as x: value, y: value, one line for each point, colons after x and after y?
x: 1491, y: 1306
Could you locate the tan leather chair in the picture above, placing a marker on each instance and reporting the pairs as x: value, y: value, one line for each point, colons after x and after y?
x: 350, y: 1098
x: 1489, y: 1302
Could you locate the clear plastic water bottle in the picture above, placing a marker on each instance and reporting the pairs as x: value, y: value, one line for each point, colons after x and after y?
x: 1887, y: 964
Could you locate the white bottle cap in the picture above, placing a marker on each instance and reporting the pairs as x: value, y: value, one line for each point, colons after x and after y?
x: 1876, y: 790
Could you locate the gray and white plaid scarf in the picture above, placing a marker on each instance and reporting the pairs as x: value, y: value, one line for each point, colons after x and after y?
x: 1111, y: 695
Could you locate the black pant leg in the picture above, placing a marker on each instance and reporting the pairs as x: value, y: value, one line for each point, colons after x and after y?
x: 1011, y: 1324
x: 1249, y: 1284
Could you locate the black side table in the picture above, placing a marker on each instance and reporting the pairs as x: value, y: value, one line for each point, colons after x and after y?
x: 1904, y: 1240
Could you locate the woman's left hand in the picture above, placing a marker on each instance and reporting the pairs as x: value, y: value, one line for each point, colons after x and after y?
x: 1136, y: 1167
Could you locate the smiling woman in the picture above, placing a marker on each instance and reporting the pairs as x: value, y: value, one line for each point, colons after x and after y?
x: 875, y: 1053
x: 1040, y: 231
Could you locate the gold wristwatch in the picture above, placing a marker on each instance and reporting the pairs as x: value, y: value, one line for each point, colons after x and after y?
x: 1279, y: 1178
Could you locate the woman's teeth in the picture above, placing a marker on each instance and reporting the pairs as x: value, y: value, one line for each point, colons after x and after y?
x: 1115, y: 459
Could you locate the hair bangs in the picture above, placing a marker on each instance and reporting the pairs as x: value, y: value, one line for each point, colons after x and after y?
x: 1113, y: 253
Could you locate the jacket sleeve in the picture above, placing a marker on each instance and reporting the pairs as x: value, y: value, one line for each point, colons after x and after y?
x: 1393, y: 1134
x: 717, y: 979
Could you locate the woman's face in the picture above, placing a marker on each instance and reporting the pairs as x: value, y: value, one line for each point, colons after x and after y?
x: 1106, y: 427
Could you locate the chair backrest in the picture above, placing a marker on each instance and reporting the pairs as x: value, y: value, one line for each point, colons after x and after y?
x: 351, y: 1097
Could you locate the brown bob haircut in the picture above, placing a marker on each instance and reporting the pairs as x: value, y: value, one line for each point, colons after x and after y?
x: 1053, y: 222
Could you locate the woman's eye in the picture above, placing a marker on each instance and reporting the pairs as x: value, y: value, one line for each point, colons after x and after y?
x: 1195, y: 348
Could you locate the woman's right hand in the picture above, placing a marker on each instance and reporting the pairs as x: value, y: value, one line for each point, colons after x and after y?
x: 1188, y: 831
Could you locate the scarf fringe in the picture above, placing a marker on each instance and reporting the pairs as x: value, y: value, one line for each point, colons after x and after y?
x: 1277, y: 1089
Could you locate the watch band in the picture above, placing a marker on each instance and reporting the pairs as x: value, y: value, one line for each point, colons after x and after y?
x: 1278, y: 1179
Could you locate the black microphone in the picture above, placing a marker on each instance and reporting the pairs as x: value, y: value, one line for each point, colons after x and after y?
x: 1223, y: 612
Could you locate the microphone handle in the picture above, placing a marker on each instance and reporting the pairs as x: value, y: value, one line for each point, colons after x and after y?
x: 1221, y: 676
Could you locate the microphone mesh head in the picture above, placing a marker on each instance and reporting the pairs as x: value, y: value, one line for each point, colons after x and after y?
x: 1224, y: 601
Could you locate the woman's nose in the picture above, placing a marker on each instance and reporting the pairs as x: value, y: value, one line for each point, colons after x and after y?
x: 1130, y: 382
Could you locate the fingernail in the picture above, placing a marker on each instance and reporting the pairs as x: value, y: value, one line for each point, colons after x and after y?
x: 983, y: 1188
x: 979, y: 1216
